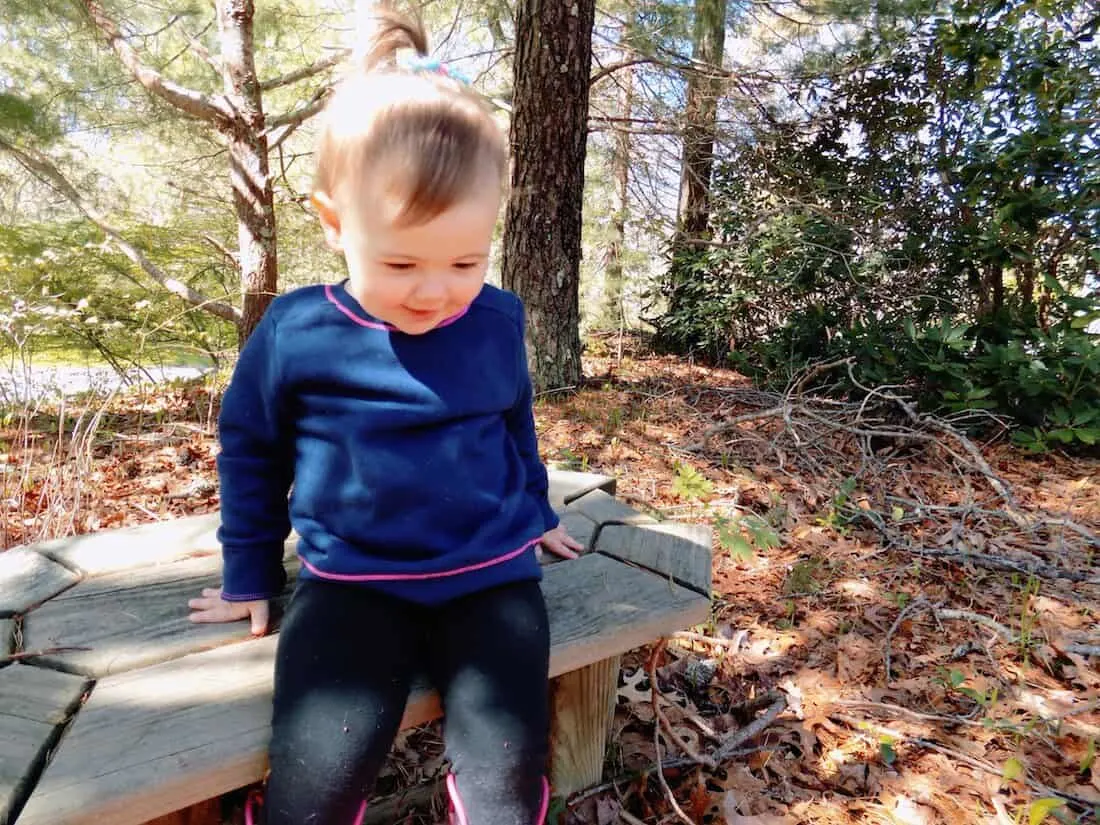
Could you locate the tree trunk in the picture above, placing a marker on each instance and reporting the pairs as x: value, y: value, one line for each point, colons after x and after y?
x: 253, y: 194
x: 701, y: 111
x: 542, y: 226
x: 992, y: 295
x: 614, y: 276
x: 238, y: 115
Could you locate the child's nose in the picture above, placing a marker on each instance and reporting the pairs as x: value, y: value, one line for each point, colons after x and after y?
x: 432, y: 288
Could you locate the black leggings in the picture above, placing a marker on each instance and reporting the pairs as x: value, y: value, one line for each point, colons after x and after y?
x: 346, y: 659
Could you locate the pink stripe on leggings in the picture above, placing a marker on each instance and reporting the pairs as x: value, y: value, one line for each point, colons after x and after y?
x: 460, y: 810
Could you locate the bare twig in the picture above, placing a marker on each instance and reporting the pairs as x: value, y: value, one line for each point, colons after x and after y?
x: 651, y: 668
x: 942, y: 613
x: 32, y: 654
x: 965, y: 758
x: 912, y: 607
x: 731, y: 745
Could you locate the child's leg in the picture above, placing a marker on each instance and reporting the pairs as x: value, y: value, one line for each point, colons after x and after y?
x: 342, y: 673
x: 490, y: 655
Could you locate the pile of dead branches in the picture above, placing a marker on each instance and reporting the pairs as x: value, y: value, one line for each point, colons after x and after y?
x: 916, y: 479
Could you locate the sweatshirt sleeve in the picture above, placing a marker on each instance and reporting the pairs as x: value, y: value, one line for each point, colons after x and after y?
x: 255, y: 470
x: 521, y: 424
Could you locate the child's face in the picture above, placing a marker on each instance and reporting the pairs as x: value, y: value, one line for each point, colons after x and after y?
x: 413, y: 277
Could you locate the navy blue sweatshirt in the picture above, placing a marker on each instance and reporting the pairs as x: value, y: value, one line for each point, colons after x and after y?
x: 412, y: 458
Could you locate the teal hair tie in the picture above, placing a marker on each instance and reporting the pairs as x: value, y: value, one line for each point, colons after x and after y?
x: 431, y: 65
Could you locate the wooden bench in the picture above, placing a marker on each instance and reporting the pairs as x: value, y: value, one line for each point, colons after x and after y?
x: 154, y: 716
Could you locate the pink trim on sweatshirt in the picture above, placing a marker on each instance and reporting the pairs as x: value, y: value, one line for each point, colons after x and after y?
x: 363, y: 322
x: 402, y: 577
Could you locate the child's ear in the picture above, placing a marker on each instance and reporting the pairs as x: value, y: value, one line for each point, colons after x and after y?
x: 330, y: 219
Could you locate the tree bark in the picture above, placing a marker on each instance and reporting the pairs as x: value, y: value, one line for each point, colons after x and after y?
x: 238, y: 115
x: 614, y: 275
x: 253, y: 193
x: 542, y: 235
x: 703, y: 91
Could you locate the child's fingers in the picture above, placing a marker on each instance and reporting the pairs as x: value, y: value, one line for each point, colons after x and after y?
x: 559, y: 549
x: 215, y: 610
x: 260, y: 614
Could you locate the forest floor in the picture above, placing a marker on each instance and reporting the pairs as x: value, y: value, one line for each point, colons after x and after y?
x: 908, y: 616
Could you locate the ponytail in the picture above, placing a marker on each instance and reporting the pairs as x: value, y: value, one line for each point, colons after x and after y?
x: 388, y: 32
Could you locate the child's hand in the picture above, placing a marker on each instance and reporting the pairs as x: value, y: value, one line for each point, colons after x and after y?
x: 560, y: 543
x: 211, y: 607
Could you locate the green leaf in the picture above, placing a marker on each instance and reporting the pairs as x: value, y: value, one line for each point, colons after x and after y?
x: 1013, y: 769
x: 897, y: 514
x: 1089, y: 758
x: 886, y: 750
x: 739, y: 547
x: 957, y: 678
x: 690, y: 483
x: 1040, y: 809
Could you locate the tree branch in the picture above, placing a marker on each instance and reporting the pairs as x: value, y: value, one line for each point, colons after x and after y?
x: 308, y: 71
x: 186, y: 100
x: 44, y: 170
x: 297, y: 117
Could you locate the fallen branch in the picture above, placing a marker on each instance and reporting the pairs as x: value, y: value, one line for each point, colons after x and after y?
x: 965, y: 758
x: 1046, y: 571
x: 651, y: 669
x: 942, y: 613
x: 751, y: 730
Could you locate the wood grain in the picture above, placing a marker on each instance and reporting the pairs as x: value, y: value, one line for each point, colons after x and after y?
x: 129, y: 619
x: 603, y: 509
x: 583, y: 704
x: 34, y: 704
x: 28, y: 578
x: 7, y: 637
x: 157, y: 740
x: 113, y: 550
x: 567, y: 485
x: 682, y: 551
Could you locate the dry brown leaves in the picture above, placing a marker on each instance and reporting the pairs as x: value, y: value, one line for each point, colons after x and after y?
x: 970, y: 726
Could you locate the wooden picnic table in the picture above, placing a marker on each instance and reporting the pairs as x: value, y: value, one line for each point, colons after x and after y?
x: 114, y: 708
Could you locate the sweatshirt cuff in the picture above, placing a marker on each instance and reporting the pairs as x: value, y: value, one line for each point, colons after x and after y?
x: 243, y: 580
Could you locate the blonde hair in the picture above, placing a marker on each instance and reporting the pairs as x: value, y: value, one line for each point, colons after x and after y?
x: 430, y: 136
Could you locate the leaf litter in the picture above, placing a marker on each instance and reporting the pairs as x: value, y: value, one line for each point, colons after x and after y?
x: 850, y: 538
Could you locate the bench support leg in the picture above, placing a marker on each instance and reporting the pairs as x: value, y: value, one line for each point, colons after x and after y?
x: 205, y: 813
x: 582, y: 707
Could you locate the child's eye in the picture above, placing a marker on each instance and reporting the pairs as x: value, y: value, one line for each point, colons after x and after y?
x: 399, y: 266
x: 465, y: 265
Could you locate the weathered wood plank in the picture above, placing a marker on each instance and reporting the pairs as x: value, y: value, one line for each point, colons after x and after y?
x: 157, y: 740
x: 7, y: 637
x: 582, y: 711
x: 129, y: 619
x: 567, y: 485
x: 604, y: 509
x: 580, y: 527
x: 28, y: 578
x: 682, y: 551
x: 34, y: 704
x: 112, y: 550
